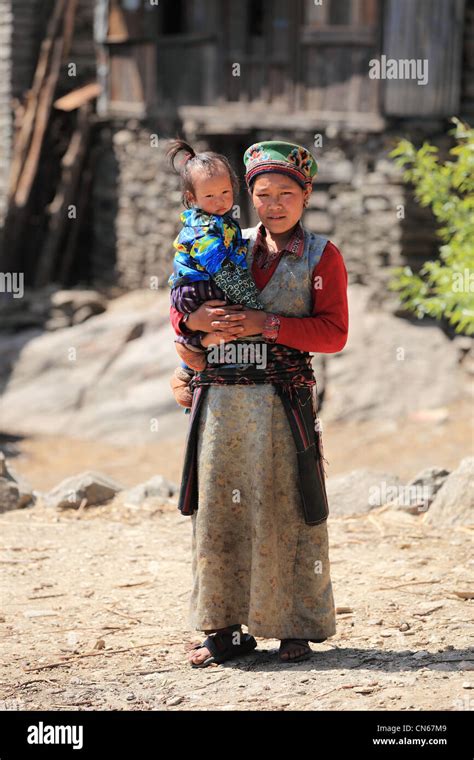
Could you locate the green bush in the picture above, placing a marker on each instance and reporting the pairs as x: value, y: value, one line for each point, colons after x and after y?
x: 445, y: 287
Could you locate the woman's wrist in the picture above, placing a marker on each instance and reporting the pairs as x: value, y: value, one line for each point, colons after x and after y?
x: 271, y: 327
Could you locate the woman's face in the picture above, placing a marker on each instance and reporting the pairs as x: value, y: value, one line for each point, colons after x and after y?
x: 278, y: 201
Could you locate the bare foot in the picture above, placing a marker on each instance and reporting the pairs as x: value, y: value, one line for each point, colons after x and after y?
x: 196, y: 656
x: 294, y: 649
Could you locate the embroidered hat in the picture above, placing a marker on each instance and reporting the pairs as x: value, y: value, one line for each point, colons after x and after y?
x: 281, y: 157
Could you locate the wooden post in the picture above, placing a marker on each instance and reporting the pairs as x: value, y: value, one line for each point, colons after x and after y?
x: 72, y: 163
x: 27, y: 148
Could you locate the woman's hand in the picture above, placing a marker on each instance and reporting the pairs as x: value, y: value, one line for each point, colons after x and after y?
x: 215, y: 316
x: 215, y: 338
x: 254, y: 322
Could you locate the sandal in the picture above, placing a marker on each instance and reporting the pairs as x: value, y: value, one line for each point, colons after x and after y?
x: 301, y: 642
x: 221, y: 647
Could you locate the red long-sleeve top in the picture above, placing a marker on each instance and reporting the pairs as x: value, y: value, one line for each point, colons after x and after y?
x: 326, y: 330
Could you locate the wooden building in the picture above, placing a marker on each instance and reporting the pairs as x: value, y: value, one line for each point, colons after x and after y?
x: 257, y: 59
x: 223, y: 72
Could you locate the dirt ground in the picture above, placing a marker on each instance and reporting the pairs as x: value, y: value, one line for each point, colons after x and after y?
x: 94, y: 603
x: 439, y: 437
x: 94, y: 606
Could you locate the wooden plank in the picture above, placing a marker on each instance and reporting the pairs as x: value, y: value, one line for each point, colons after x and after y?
x: 117, y: 30
x: 258, y: 59
x: 182, y: 81
x: 314, y: 72
x: 26, y: 130
x: 316, y: 15
x: 71, y: 167
x: 358, y: 76
x: 124, y: 75
x: 336, y: 79
x: 279, y: 74
x: 415, y: 30
x: 132, y: 76
x: 339, y: 35
x: 44, y: 102
x: 296, y: 54
x: 221, y: 42
x: 340, y: 12
x: 29, y: 145
x: 261, y: 75
x: 78, y: 97
x: 231, y: 117
x: 183, y: 40
x: 70, y: 252
x: 369, y: 12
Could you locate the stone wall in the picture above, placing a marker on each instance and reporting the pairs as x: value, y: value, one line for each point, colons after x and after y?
x: 359, y: 201
x: 135, y: 206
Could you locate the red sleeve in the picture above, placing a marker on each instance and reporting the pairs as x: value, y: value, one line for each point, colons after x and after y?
x: 175, y: 317
x: 326, y: 331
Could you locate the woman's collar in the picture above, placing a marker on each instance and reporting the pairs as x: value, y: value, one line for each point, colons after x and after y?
x: 295, y: 244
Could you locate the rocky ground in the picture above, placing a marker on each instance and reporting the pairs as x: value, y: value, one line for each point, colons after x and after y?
x: 94, y: 607
x: 94, y: 598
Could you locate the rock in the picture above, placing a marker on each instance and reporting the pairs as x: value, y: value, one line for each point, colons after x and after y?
x: 122, y: 137
x: 85, y: 312
x: 454, y: 502
x: 360, y: 491
x: 15, y: 491
x: 50, y: 308
x: 418, y: 494
x: 376, y: 203
x: 463, y: 343
x: 156, y: 487
x: 77, y: 299
x: 335, y: 170
x: 9, y: 495
x: 439, y: 415
x: 107, y: 378
x: 95, y: 487
x: 319, y: 222
x: 319, y: 199
x: 174, y: 701
x: 57, y: 323
x: 385, y: 370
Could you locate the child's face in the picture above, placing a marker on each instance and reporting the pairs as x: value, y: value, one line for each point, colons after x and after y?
x: 214, y: 195
x: 278, y: 201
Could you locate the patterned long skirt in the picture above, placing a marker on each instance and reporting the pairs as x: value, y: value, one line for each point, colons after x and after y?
x: 254, y: 559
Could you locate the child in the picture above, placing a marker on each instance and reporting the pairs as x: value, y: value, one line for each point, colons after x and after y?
x: 209, y: 247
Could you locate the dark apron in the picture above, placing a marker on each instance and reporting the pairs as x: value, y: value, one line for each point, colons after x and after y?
x: 297, y: 402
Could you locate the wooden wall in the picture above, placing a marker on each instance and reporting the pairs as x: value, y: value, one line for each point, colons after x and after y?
x: 415, y: 29
x: 467, y: 78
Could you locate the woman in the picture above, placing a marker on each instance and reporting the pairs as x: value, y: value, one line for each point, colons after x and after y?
x: 252, y: 478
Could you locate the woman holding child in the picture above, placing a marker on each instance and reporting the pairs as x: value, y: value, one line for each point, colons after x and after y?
x: 253, y: 481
